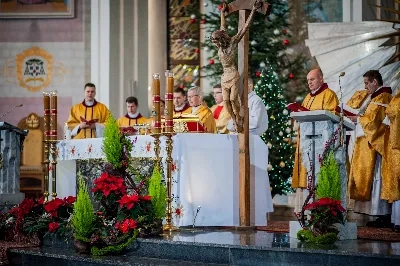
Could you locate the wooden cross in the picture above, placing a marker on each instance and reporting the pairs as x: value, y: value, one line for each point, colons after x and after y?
x: 244, y: 7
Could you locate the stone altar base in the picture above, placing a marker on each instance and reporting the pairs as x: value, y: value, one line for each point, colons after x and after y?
x: 211, y: 246
x: 346, y: 232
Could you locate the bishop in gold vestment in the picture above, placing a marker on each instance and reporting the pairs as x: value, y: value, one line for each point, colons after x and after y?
x: 203, y: 112
x: 366, y: 182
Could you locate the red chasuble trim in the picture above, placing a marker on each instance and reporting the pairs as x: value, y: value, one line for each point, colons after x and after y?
x: 217, y: 111
x: 185, y: 107
x: 323, y: 87
x: 381, y: 90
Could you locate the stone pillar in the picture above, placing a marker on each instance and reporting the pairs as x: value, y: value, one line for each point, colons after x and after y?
x: 157, y: 43
x: 11, y: 139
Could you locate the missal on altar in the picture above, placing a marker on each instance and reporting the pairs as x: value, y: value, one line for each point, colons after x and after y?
x: 89, y: 122
x: 129, y: 130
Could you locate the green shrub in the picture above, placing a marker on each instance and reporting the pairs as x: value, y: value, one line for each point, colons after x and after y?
x: 329, y: 184
x: 158, y: 193
x: 112, y: 146
x: 83, y: 217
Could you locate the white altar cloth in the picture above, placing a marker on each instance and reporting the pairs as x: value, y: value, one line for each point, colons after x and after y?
x: 206, y: 174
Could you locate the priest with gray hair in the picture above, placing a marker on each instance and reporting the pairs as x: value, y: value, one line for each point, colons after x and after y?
x: 195, y: 98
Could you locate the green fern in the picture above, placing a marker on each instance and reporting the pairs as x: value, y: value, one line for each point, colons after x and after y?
x: 329, y: 184
x: 83, y: 217
x: 112, y: 146
x: 158, y: 193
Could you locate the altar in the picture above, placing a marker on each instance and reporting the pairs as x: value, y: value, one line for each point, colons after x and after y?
x: 205, y: 175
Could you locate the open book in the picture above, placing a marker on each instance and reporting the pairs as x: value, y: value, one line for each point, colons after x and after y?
x: 89, y: 122
x: 128, y: 130
x: 347, y: 111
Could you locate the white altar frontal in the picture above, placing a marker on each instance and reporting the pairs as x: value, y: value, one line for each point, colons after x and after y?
x: 205, y: 174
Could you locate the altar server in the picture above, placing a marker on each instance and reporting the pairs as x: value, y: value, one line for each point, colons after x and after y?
x: 87, y: 119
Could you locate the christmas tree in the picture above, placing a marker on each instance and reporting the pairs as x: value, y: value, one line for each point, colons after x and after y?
x: 279, y: 133
x: 270, y: 41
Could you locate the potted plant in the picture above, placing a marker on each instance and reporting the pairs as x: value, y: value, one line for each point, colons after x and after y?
x: 83, y: 218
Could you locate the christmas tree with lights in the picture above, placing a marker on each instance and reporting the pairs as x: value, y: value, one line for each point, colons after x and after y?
x: 279, y: 133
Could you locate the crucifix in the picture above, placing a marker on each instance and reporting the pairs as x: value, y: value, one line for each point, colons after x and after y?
x: 234, y: 83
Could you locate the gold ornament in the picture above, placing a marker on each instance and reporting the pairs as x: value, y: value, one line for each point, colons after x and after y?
x: 272, y: 117
x: 282, y: 164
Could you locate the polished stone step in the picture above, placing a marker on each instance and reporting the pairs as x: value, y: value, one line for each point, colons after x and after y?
x: 224, y: 247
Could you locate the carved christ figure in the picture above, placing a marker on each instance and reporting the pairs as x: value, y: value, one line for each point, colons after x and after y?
x: 226, y: 52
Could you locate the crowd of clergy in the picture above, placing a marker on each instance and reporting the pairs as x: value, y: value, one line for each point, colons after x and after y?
x: 374, y: 172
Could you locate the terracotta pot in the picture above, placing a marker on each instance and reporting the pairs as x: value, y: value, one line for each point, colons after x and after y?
x: 81, y: 247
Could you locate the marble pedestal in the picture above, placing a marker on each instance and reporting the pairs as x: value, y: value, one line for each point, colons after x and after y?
x: 11, y: 140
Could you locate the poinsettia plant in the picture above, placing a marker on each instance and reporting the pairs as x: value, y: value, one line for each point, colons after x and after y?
x: 36, y: 216
x: 325, y: 213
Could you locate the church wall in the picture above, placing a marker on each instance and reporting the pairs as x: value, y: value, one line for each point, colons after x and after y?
x: 67, y: 43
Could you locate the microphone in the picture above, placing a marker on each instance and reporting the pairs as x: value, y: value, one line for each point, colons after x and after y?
x: 342, y: 74
x: 6, y: 113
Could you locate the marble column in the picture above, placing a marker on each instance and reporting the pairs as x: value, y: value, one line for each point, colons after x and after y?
x: 157, y: 43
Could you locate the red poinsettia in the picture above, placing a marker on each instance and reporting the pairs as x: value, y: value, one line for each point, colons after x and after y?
x: 70, y: 200
x: 53, y: 226
x: 52, y: 207
x: 145, y: 197
x: 128, y: 201
x: 23, y: 209
x: 127, y: 224
x: 109, y: 184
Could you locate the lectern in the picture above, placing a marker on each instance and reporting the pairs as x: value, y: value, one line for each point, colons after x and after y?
x: 316, y: 129
x: 11, y: 141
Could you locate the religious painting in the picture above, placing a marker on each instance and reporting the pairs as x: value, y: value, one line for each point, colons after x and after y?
x: 37, y: 8
x: 324, y: 10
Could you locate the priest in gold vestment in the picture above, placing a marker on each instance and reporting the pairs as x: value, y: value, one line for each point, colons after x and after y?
x: 203, y: 112
x: 319, y: 98
x: 133, y: 117
x: 367, y: 185
x: 219, y: 111
x: 391, y: 161
x: 181, y: 106
x: 87, y: 119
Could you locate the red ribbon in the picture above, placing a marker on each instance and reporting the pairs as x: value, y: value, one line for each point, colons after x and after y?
x: 46, y: 111
x: 53, y: 111
x: 169, y: 96
x: 157, y: 124
x: 169, y: 123
x: 156, y: 98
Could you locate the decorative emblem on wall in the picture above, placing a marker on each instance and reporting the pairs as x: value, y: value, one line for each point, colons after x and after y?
x: 34, y: 69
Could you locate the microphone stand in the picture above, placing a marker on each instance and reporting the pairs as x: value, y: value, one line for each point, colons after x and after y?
x: 341, y: 115
x: 10, y: 110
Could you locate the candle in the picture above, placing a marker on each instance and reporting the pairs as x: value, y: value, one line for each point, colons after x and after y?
x: 156, y: 104
x: 53, y: 115
x: 46, y: 117
x: 169, y: 104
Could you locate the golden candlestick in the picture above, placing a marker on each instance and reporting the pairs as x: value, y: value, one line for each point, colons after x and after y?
x: 169, y: 226
x: 53, y: 140
x: 46, y: 105
x: 168, y: 132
